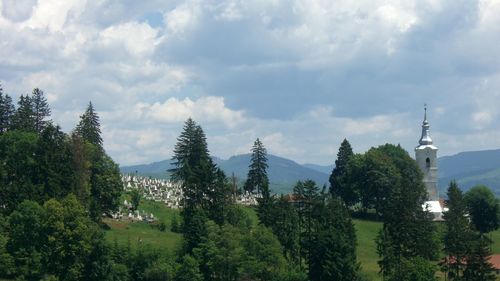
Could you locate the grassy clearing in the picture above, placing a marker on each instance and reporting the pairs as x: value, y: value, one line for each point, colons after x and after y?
x: 366, y: 251
x: 144, y: 234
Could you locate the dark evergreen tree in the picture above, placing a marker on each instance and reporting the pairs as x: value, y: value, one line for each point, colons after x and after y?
x: 53, y: 157
x: 24, y: 118
x: 458, y: 235
x: 286, y: 227
x: 333, y: 243
x: 89, y: 127
x: 206, y: 192
x: 257, y: 173
x: 306, y: 195
x: 339, y: 184
x: 7, y: 111
x: 41, y: 109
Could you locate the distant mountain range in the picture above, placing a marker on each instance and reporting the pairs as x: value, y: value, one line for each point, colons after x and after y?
x: 467, y: 168
x: 470, y: 169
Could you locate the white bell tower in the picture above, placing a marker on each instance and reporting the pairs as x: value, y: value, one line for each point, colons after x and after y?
x: 426, y: 157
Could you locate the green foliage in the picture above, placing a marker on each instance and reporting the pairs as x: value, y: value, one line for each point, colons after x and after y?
x: 7, y: 111
x: 189, y: 270
x: 286, y: 227
x: 41, y: 110
x: 106, y: 186
x: 17, y: 169
x: 89, y: 127
x: 174, y: 224
x: 26, y: 239
x: 339, y: 183
x: 483, y: 208
x: 135, y: 199
x: 458, y: 234
x: 408, y: 231
x: 159, y: 271
x: 415, y: 269
x: 478, y: 266
x: 206, y: 192
x: 332, y: 253
x: 24, y: 117
x: 53, y: 162
x: 257, y: 170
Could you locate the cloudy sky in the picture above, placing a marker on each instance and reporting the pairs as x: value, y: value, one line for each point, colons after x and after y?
x: 301, y: 75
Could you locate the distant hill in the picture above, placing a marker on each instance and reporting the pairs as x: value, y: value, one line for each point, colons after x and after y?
x: 467, y: 168
x: 323, y: 169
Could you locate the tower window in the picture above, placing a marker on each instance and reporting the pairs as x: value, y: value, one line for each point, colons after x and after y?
x: 428, y: 162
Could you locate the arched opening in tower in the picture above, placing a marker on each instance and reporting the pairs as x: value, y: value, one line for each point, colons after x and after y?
x: 428, y: 162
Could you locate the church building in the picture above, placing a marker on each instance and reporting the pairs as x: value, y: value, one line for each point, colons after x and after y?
x: 426, y: 157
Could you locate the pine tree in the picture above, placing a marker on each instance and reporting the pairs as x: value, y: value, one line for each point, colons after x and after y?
x: 24, y: 118
x: 307, y: 195
x: 41, y: 109
x: 333, y: 242
x: 206, y: 193
x: 257, y: 173
x: 458, y: 235
x: 339, y: 184
x: 7, y: 111
x: 89, y: 127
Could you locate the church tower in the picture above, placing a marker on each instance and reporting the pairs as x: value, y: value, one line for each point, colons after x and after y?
x: 426, y: 157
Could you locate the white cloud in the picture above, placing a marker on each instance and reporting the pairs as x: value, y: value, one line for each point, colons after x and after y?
x: 52, y: 14
x: 138, y: 38
x: 205, y: 109
x: 183, y: 17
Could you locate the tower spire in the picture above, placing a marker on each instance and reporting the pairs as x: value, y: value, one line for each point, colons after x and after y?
x: 425, y: 139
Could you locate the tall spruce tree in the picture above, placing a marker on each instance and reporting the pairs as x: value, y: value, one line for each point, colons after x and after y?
x: 257, y: 172
x: 41, y: 109
x: 7, y: 111
x: 458, y: 235
x: 24, y: 118
x: 206, y: 194
x: 104, y: 177
x: 339, y: 184
x: 307, y: 195
x: 89, y: 127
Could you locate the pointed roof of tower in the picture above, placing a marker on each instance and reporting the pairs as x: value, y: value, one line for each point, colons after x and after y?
x: 425, y: 139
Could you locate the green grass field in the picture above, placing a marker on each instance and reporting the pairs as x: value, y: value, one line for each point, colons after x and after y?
x: 141, y: 233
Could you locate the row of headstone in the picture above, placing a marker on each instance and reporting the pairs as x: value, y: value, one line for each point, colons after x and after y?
x: 159, y: 190
x: 137, y: 215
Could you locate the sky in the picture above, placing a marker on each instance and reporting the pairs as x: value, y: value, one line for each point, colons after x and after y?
x: 300, y: 75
